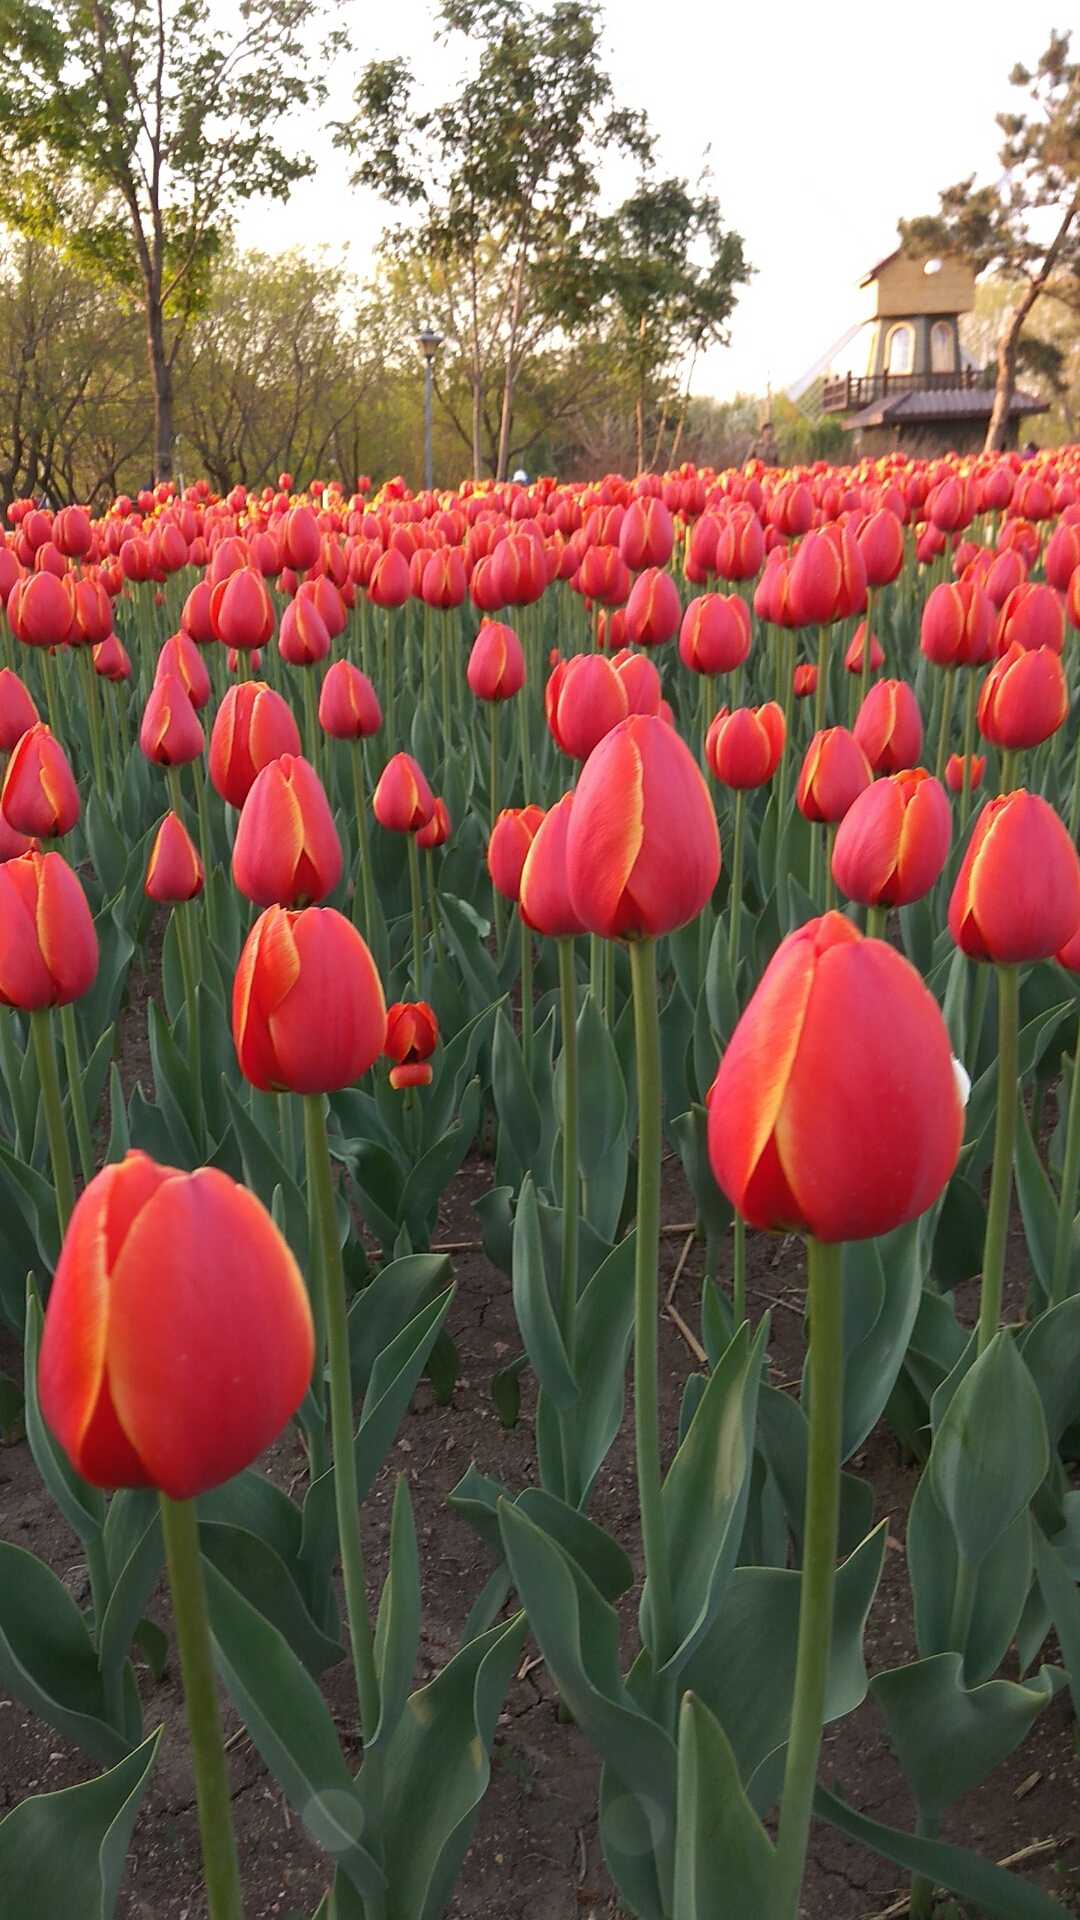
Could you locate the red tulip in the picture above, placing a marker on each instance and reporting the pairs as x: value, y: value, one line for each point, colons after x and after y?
x: 832, y: 775
x: 743, y: 748
x: 178, y: 1338
x: 881, y: 544
x: 195, y: 614
x: 41, y: 611
x: 1006, y: 571
x: 174, y: 870
x: 518, y: 570
x: 1032, y: 616
x: 647, y: 534
x: 241, y: 610
x: 893, y: 841
x: 653, y: 610
x: 804, y: 680
x: 402, y: 801
x: 93, y: 612
x: 639, y: 680
x: 496, y: 669
x: 308, y: 1014
x: 17, y: 710
x: 181, y: 657
x: 252, y: 726
x: 604, y: 576
x: 48, y: 947
x: 642, y: 850
x: 835, y: 1111
x: 71, y: 532
x: 957, y: 625
x: 1017, y: 894
x: 170, y: 734
x: 389, y: 583
x: 1024, y: 698
x: 303, y: 638
x: 286, y: 851
x: 853, y: 658
x: 543, y: 894
x: 715, y: 633
x: 583, y: 699
x: 301, y: 539
x: 888, y: 727
x: 348, y: 704
x: 322, y: 594
x: 828, y: 577
x: 412, y: 1034
x: 740, y: 547
x: 443, y: 583
x: 954, y: 771
x: 39, y: 796
x: 437, y: 831
x: 511, y: 837
x: 111, y: 660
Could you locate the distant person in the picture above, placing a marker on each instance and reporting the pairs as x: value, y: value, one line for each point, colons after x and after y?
x: 764, y: 447
x: 519, y: 477
x: 1028, y: 450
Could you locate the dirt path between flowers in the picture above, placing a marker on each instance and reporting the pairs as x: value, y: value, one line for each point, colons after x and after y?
x: 535, y: 1852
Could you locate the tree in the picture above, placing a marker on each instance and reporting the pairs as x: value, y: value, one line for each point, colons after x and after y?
x: 1026, y: 226
x: 504, y: 178
x: 132, y: 129
x: 668, y: 270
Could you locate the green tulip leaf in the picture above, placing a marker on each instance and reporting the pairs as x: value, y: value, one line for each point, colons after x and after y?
x: 990, y: 1451
x: 380, y: 1312
x: 47, y: 1659
x: 82, y: 1506
x: 515, y: 1101
x: 724, y: 1860
x: 397, y: 1628
x: 393, y: 1379
x: 64, y: 1853
x: 948, y: 1737
x: 601, y: 1091
x: 533, y: 1305
x: 251, y: 1565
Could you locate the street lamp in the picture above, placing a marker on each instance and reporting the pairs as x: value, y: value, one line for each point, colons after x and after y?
x: 428, y: 343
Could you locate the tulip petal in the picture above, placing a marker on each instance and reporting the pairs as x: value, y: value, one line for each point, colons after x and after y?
x: 599, y: 866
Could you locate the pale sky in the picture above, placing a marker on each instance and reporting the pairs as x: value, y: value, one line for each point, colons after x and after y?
x: 823, y: 124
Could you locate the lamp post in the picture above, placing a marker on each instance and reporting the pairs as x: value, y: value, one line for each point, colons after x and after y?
x: 428, y: 343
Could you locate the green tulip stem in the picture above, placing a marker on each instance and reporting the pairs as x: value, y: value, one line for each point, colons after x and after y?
x: 786, y: 642
x: 822, y: 687
x: 50, y: 692
x: 945, y: 722
x: 184, y: 916
x: 646, y: 1308
x: 93, y: 715
x: 818, y: 1572
x: 205, y: 845
x: 997, y: 1212
x: 10, y: 1060
x: 433, y: 906
x: 864, y: 664
x: 417, y: 916
x: 1074, y: 798
x: 341, y: 1415
x: 738, y: 1272
x: 970, y: 692
x: 493, y: 736
x: 738, y: 834
x: 876, y: 918
x: 59, y: 1151
x: 388, y: 658
x: 526, y: 756
x: 448, y: 623
x: 363, y: 905
x: 76, y: 1091
x: 180, y: 1528
x: 569, y: 1117
x: 108, y: 696
x: 967, y: 1580
x: 1007, y: 771
x: 830, y: 883
x: 526, y: 995
x: 311, y: 714
x: 1070, y: 1175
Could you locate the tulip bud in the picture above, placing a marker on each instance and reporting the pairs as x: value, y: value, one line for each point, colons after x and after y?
x: 303, y: 638
x: 888, y: 727
x: 286, y: 851
x: 39, y: 796
x: 954, y: 771
x: 308, y: 1014
x: 48, y: 947
x: 412, y: 1034
x: 642, y: 850
x: 853, y: 658
x: 195, y: 614
x: 833, y: 773
x: 437, y: 831
x: 715, y: 633
x: 17, y: 710
x: 1017, y: 894
x: 956, y: 629
x: 111, y: 660
x: 511, y: 837
x: 740, y: 547
x: 178, y: 1337
x: 804, y: 680
x: 389, y: 583
x: 743, y: 748
x: 647, y: 534
x: 170, y: 734
x: 181, y: 657
x: 174, y: 871
x: 241, y: 610
x: 496, y: 669
x: 402, y: 801
x: 442, y: 582
x: 639, y: 681
x: 348, y: 704
x: 604, y: 576
x: 1024, y: 698
x: 881, y: 544
x: 653, y: 610
x: 857, y: 1124
x: 252, y: 726
x: 893, y: 841
x: 92, y: 610
x: 583, y: 699
x: 301, y: 538
x: 544, y: 901
x: 1032, y: 616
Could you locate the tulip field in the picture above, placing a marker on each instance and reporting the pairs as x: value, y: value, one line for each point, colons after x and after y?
x: 540, y: 1198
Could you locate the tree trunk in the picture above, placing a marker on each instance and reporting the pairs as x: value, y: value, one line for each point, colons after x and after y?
x: 508, y: 377
x: 161, y: 382
x: 1007, y: 348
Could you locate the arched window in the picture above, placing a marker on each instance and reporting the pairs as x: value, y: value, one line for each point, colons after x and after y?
x: 941, y: 348
x: 900, y: 348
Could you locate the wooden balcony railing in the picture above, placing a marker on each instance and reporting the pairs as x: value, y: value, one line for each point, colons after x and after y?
x: 850, y: 391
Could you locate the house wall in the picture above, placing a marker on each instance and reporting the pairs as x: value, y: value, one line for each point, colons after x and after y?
x: 901, y: 287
